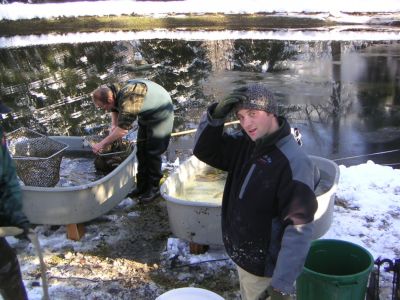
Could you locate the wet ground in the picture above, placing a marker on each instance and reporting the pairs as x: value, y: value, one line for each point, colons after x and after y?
x: 121, y: 256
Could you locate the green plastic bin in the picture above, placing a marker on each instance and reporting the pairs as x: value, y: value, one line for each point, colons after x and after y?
x: 334, y: 270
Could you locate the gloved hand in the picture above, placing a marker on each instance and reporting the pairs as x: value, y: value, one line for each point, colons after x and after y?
x: 27, y: 228
x: 9, y: 231
x: 275, y: 295
x: 224, y: 107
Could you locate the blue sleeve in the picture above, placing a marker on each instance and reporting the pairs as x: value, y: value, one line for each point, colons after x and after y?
x: 10, y: 192
x: 297, y: 206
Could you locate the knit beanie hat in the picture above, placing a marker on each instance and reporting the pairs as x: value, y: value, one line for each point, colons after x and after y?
x: 258, y: 98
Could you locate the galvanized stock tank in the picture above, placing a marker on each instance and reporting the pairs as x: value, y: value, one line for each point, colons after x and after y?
x: 200, y: 221
x: 82, y: 203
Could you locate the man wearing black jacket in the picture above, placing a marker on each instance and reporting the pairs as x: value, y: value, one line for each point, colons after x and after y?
x: 268, y: 203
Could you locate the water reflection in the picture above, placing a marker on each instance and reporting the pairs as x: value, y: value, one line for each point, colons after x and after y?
x: 344, y: 96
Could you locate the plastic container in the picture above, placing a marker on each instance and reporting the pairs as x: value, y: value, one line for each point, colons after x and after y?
x: 200, y: 221
x: 334, y: 270
x: 189, y: 293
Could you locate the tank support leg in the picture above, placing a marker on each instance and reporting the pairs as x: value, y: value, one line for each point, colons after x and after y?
x: 75, y: 231
x: 197, y: 248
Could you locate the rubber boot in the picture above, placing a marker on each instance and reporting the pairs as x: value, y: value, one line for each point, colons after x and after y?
x: 141, y: 187
x: 152, y: 194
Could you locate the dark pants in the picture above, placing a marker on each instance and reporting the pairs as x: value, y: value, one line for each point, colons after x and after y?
x: 152, y: 141
x: 11, y: 284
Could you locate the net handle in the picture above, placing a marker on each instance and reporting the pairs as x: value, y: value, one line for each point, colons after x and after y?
x: 40, y: 158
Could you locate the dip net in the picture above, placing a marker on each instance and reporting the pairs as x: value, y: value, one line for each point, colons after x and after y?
x: 36, y: 156
x: 112, y: 155
x: 120, y: 147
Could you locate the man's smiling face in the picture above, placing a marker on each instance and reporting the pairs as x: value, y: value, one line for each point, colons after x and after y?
x: 256, y: 123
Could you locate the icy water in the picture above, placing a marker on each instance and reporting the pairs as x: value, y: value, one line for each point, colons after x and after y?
x: 344, y: 96
x: 203, y: 187
x: 209, y: 186
x: 78, y: 169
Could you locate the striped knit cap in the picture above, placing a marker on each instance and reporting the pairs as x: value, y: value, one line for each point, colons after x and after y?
x: 259, y: 98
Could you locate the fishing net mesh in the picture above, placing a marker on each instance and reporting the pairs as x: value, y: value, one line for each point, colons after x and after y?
x: 112, y: 155
x: 36, y: 156
x: 119, y: 147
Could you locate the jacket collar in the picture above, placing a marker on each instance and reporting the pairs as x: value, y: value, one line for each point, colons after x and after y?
x: 115, y: 88
x: 269, y: 140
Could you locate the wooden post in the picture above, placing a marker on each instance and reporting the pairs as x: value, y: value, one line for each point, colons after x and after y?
x: 75, y: 231
x: 194, y: 130
x: 197, y: 248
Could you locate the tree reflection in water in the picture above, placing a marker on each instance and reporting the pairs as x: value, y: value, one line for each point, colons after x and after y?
x: 339, y: 93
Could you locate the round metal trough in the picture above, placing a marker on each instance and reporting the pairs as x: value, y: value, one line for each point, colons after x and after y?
x: 82, y: 203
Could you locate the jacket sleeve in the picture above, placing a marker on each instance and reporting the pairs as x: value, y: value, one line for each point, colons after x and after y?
x: 10, y: 193
x: 297, y: 208
x: 211, y: 143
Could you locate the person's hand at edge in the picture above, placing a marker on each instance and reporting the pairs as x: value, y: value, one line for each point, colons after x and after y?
x: 277, y: 295
x: 97, y: 148
x: 27, y: 229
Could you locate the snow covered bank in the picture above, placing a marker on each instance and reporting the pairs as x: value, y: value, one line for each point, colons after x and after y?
x: 361, y: 33
x: 336, y: 10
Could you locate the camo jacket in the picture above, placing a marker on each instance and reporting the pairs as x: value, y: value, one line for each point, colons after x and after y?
x: 10, y: 192
x: 142, y: 99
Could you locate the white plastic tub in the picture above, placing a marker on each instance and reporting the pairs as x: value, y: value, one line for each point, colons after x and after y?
x: 200, y: 221
x: 189, y: 293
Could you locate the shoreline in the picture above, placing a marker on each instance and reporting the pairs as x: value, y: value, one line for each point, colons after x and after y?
x: 13, y: 24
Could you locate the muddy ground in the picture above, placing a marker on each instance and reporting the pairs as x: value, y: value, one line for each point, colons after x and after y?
x: 122, y: 255
x: 127, y: 254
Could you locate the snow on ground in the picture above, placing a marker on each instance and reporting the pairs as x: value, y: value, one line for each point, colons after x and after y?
x: 360, y: 33
x: 368, y: 208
